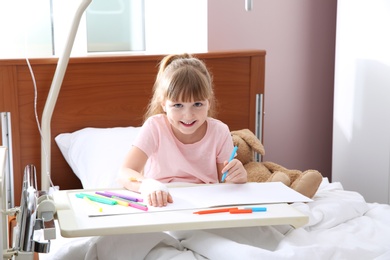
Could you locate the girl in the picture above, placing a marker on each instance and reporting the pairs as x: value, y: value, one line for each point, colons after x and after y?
x: 179, y: 140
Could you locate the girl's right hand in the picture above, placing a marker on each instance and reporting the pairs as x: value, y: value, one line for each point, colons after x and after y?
x: 236, y: 172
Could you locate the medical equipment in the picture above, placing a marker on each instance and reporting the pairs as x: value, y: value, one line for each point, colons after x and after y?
x: 35, y: 215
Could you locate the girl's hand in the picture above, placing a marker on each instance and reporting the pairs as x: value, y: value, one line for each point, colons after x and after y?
x: 155, y: 193
x: 236, y: 172
x: 159, y: 198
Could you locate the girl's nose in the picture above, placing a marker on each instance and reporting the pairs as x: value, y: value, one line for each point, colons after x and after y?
x: 188, y: 112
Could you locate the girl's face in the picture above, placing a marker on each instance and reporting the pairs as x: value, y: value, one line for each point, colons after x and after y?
x: 186, y: 118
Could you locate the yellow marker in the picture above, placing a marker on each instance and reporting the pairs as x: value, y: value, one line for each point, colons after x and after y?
x: 95, y: 205
x: 121, y: 202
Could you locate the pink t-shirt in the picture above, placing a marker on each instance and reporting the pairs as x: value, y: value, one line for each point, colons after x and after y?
x: 169, y: 160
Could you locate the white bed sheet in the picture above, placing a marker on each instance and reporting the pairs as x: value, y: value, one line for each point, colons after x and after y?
x: 341, y: 226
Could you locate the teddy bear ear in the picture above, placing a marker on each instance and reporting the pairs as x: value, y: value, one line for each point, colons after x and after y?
x: 251, y: 139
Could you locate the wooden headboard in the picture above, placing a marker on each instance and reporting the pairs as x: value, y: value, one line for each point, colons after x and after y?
x: 109, y: 91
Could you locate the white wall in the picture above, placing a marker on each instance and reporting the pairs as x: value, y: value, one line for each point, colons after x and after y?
x: 361, y: 128
x: 174, y: 26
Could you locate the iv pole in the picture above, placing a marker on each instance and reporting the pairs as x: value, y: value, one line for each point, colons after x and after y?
x: 53, y: 95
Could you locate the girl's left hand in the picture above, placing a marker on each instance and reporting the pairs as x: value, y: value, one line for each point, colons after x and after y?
x: 236, y: 172
x: 155, y: 193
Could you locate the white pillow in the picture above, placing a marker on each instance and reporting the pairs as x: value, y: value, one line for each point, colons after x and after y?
x: 96, y: 154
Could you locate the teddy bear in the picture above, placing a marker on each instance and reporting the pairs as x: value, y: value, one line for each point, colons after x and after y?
x: 306, y: 182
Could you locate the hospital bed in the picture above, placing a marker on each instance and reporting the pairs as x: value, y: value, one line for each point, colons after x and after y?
x: 96, y: 117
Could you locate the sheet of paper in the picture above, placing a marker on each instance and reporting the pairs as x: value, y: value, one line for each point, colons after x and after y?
x: 237, y: 194
x: 203, y: 196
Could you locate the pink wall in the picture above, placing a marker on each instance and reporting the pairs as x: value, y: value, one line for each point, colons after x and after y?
x: 299, y: 37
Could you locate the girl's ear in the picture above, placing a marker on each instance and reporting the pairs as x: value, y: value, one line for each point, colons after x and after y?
x: 163, y: 106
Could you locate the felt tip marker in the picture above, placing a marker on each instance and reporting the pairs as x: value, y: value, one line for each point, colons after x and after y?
x: 93, y: 204
x: 131, y: 203
x: 111, y: 194
x: 96, y: 198
x: 230, y: 159
x: 212, y: 211
x: 240, y: 211
x: 138, y: 206
x: 257, y: 209
x: 248, y: 210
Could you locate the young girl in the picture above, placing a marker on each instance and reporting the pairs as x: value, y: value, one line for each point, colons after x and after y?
x: 179, y: 140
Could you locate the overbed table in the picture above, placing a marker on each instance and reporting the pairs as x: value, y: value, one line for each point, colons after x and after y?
x: 75, y: 223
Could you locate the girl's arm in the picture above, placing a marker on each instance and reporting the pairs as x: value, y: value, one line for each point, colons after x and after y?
x: 132, y: 179
x: 131, y: 169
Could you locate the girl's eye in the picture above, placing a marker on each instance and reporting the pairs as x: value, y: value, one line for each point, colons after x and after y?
x: 198, y: 104
x: 177, y: 105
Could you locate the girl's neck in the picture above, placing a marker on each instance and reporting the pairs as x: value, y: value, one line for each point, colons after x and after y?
x: 192, y: 138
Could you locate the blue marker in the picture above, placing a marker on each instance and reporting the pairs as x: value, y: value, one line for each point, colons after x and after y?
x: 96, y: 198
x: 257, y: 209
x: 231, y: 158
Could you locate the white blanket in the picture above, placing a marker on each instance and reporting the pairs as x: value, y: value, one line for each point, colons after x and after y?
x: 341, y: 226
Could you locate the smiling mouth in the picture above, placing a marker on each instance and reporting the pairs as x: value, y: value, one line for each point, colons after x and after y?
x: 188, y: 123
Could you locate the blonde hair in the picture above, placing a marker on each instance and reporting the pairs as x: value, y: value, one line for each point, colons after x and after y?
x: 181, y: 78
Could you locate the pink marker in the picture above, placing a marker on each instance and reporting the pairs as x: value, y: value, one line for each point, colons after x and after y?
x: 138, y: 206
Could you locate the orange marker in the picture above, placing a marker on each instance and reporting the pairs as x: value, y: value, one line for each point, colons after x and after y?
x: 211, y: 211
x: 240, y: 211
